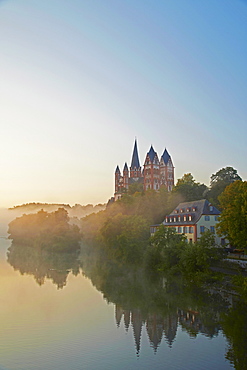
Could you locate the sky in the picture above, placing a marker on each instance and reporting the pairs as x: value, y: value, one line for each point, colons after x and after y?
x: 80, y: 80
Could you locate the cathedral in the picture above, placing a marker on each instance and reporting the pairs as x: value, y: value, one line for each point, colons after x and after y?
x: 155, y: 173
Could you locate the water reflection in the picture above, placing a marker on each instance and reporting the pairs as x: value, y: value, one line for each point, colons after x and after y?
x: 144, y: 304
x: 156, y: 326
x: 157, y: 305
x: 42, y: 264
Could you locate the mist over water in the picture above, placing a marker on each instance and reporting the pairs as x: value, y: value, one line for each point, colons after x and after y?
x: 64, y: 311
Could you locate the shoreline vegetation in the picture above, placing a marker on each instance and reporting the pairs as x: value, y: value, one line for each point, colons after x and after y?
x: 120, y: 230
x: 120, y: 233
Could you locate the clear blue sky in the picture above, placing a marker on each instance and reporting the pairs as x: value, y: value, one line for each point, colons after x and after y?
x: 81, y: 79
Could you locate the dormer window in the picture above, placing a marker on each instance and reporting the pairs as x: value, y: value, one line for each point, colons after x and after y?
x: 211, y: 208
x: 188, y: 209
x: 190, y: 217
x: 174, y: 219
x: 193, y: 209
x: 181, y: 210
x: 184, y: 218
x: 170, y: 219
x: 179, y: 218
x: 166, y: 219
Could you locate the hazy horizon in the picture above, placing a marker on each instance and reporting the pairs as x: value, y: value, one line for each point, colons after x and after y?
x: 80, y: 80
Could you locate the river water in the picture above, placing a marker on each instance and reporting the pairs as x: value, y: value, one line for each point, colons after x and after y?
x: 58, y: 314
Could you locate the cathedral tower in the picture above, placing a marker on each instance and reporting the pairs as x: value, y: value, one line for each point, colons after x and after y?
x: 166, y: 171
x: 126, y: 177
x: 151, y: 170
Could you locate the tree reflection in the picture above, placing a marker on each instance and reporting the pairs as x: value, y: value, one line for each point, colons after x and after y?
x: 154, y: 303
x: 235, y: 328
x: 43, y: 264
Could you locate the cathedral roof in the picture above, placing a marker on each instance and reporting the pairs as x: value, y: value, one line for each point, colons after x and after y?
x: 151, y: 153
x: 117, y: 170
x: 135, y: 159
x: 125, y: 167
x: 166, y: 156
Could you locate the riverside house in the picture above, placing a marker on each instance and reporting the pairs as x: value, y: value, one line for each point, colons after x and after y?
x: 192, y: 219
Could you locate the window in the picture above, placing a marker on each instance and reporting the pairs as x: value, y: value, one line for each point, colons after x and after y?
x: 211, y: 208
x: 181, y: 210
x: 166, y: 219
x: 179, y: 229
x: 179, y: 218
x: 202, y: 229
x: 184, y: 218
x: 223, y: 241
x: 174, y: 219
x: 190, y: 218
x: 188, y: 209
x: 191, y: 230
x: 212, y: 229
x: 170, y: 219
x: 185, y: 230
x: 193, y: 209
x: 207, y: 218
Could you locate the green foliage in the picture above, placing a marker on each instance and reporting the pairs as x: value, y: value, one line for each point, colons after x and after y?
x: 125, y: 237
x: 171, y: 252
x: 136, y: 187
x: 150, y: 206
x: 227, y: 174
x: 219, y: 181
x: 165, y: 249
x: 233, y: 219
x: 197, y: 258
x: 189, y: 189
x: 42, y: 230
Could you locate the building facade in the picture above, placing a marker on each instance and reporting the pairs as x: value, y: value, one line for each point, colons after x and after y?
x: 192, y: 219
x: 155, y: 173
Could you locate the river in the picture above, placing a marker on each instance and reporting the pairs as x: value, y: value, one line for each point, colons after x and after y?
x: 58, y: 314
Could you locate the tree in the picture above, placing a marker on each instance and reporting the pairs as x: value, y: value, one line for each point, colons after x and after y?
x: 219, y: 181
x: 46, y: 231
x: 196, y: 259
x: 228, y: 175
x: 189, y: 188
x: 136, y: 187
x: 125, y: 237
x: 165, y: 249
x: 233, y: 219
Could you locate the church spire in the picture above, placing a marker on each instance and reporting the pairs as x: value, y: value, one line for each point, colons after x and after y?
x: 135, y: 168
x: 135, y: 158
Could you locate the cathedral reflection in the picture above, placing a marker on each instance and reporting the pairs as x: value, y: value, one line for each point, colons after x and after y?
x: 159, y: 327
